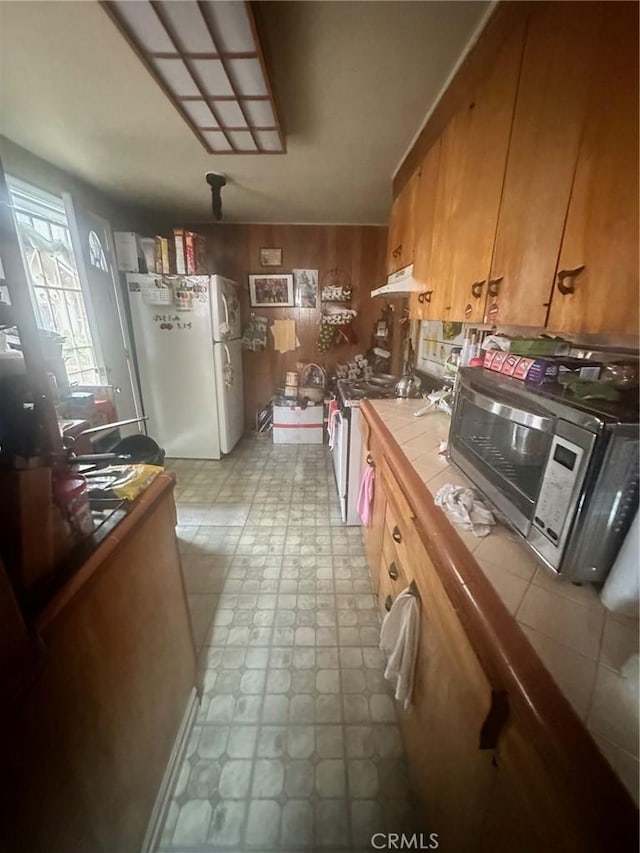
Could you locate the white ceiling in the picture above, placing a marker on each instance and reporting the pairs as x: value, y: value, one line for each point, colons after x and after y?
x: 353, y: 81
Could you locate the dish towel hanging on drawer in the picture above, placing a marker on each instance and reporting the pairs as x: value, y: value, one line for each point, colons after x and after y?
x: 331, y: 422
x: 365, y: 495
x: 399, y: 638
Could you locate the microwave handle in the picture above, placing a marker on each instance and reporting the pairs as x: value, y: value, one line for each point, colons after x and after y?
x: 511, y: 413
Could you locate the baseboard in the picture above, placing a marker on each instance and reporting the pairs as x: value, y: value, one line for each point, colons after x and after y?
x: 161, y: 805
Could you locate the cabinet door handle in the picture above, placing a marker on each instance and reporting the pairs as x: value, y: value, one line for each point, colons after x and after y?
x: 393, y: 571
x: 425, y: 296
x: 495, y: 720
x: 387, y: 603
x: 397, y: 251
x: 476, y: 288
x: 396, y: 535
x: 370, y: 460
x: 494, y: 285
x: 570, y: 274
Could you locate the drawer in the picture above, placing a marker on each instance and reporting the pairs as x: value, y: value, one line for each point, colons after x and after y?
x: 386, y: 592
x: 404, y: 513
x: 393, y: 564
x: 365, y: 432
x: 400, y: 534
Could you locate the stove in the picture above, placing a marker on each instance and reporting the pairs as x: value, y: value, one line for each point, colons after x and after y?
x: 350, y: 392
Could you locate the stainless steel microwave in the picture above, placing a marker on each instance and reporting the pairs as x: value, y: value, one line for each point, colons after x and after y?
x: 563, y: 473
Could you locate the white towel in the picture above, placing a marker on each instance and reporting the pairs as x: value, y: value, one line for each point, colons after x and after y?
x: 399, y: 638
x: 463, y: 508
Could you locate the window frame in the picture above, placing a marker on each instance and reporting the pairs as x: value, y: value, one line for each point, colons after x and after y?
x: 52, y: 209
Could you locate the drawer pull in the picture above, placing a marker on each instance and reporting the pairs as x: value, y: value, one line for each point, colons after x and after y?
x: 494, y: 285
x: 476, y: 288
x: 496, y: 718
x: 396, y: 535
x: 393, y: 572
x: 388, y: 603
x: 570, y: 274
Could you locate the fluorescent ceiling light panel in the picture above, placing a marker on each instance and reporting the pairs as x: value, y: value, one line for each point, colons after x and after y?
x: 200, y: 113
x: 217, y: 140
x: 141, y: 20
x: 206, y: 56
x: 242, y: 140
x: 230, y: 25
x: 259, y: 113
x: 213, y: 77
x: 175, y: 74
x: 188, y: 26
x: 230, y: 114
x: 247, y: 77
x: 268, y: 140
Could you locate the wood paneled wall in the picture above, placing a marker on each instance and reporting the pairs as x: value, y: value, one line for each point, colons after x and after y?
x: 357, y: 250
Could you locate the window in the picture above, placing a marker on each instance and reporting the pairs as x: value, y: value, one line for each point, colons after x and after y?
x: 96, y: 253
x: 48, y: 255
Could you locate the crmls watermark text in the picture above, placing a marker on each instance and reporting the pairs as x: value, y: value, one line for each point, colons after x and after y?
x: 398, y: 841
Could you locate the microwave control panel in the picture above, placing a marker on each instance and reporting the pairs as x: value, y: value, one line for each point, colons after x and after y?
x: 557, y: 495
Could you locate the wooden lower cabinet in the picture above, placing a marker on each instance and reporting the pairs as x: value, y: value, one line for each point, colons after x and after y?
x: 452, y: 775
x: 488, y: 778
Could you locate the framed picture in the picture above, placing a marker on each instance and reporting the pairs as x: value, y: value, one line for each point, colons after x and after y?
x: 305, y: 284
x: 271, y: 291
x: 270, y: 257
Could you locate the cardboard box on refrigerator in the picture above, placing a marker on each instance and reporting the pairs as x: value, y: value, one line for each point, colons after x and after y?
x: 293, y: 425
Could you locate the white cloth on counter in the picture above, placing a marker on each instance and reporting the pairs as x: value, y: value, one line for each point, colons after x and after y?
x: 621, y: 592
x: 463, y: 508
x: 399, y: 638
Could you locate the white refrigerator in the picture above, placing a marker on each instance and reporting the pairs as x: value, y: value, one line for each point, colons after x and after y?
x: 188, y: 352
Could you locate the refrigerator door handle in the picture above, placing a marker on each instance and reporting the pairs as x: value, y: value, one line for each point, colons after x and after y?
x: 226, y: 349
x: 225, y: 329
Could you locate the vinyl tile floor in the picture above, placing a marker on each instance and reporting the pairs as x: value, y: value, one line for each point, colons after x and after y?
x: 296, y: 744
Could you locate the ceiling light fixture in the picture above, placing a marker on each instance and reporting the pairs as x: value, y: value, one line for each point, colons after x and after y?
x: 216, y: 181
x: 207, y: 58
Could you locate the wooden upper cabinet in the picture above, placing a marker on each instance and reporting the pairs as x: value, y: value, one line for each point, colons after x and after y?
x: 491, y: 116
x: 401, y: 226
x: 449, y: 196
x: 425, y: 210
x: 560, y: 50
x: 601, y: 233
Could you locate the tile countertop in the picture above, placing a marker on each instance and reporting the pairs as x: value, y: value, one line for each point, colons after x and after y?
x: 582, y: 644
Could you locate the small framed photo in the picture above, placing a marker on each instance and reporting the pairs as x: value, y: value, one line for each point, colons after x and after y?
x: 270, y: 257
x: 271, y: 291
x: 306, y: 288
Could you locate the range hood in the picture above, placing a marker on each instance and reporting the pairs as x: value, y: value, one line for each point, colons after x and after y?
x: 399, y: 283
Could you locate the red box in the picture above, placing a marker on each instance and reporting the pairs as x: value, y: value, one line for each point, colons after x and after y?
x: 510, y: 364
x: 523, y: 368
x: 498, y: 360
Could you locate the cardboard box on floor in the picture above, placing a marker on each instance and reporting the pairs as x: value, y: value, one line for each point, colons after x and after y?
x: 293, y: 425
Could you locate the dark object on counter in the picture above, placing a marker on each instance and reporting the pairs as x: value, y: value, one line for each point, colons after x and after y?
x: 141, y: 450
x: 588, y: 389
x: 623, y: 375
x: 20, y: 421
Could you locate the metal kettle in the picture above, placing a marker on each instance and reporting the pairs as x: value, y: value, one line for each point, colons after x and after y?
x: 409, y: 385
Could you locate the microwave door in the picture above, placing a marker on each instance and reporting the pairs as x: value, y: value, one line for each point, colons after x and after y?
x: 504, y: 450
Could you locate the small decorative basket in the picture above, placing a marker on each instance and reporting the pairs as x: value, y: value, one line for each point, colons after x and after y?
x: 312, y: 382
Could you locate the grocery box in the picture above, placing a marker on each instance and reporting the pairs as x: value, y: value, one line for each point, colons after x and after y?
x: 294, y: 425
x: 542, y: 371
x: 533, y: 347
